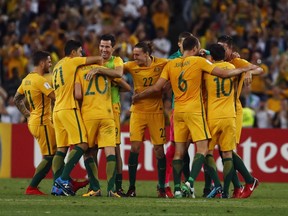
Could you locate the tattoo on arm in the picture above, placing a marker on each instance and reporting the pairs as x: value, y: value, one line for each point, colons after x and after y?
x: 19, y: 102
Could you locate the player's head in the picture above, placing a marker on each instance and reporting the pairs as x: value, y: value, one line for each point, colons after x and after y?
x: 106, y: 46
x: 142, y: 51
x: 42, y: 59
x: 191, y: 43
x: 73, y: 48
x: 181, y: 38
x: 227, y: 42
x: 217, y: 52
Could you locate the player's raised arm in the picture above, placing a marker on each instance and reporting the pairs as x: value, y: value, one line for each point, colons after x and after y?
x: 94, y: 60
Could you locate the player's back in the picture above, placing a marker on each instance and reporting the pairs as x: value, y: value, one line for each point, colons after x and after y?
x: 220, y: 94
x: 63, y: 82
x: 185, y: 75
x: 36, y: 88
x: 96, y: 92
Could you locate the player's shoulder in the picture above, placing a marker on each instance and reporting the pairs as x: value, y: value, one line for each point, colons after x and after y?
x: 160, y: 60
x: 239, y: 62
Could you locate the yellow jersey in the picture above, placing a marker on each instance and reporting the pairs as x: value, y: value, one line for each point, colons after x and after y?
x: 185, y: 75
x: 36, y: 89
x: 97, y: 102
x: 143, y: 77
x: 63, y: 82
x: 220, y: 94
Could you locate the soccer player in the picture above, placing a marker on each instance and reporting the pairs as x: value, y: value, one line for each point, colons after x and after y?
x: 185, y: 75
x: 251, y: 182
x: 92, y: 85
x: 114, y: 64
x: 220, y: 109
x: 147, y: 113
x: 68, y: 123
x: 171, y: 148
x: 38, y: 92
x: 106, y: 47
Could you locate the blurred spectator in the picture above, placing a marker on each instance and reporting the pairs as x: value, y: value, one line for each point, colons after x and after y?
x: 274, y: 102
x: 258, y: 86
x: 10, y: 113
x: 251, y: 100
x: 160, y: 12
x: 11, y: 85
x: 16, y: 62
x: 264, y: 116
x: 280, y: 119
x: 161, y: 44
x: 248, y: 115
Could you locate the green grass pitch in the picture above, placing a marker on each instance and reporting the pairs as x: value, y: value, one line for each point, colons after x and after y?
x: 267, y: 199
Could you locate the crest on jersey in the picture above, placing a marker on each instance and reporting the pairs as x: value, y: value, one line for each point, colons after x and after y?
x: 47, y: 85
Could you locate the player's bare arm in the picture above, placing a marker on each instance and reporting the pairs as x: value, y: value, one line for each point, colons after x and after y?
x: 19, y: 102
x: 94, y: 60
x: 157, y: 87
x: 233, y: 72
x: 114, y: 73
x: 124, y: 86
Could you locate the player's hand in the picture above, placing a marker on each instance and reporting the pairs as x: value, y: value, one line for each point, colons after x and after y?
x: 91, y: 73
x: 235, y: 55
x: 135, y: 98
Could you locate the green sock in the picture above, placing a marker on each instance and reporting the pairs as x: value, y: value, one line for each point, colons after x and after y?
x: 186, y: 166
x: 132, y: 167
x: 73, y: 158
x: 118, y: 181
x: 110, y: 171
x: 228, y: 172
x: 161, y: 166
x: 240, y: 166
x: 212, y: 170
x: 177, y: 170
x: 41, y: 171
x: 235, y: 180
x: 196, y: 167
x: 92, y: 172
x: 58, y: 164
x: 207, y: 177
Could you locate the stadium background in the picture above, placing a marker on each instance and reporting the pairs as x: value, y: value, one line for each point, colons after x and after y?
x: 258, y: 27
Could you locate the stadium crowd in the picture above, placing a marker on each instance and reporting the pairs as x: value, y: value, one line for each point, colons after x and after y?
x: 259, y: 29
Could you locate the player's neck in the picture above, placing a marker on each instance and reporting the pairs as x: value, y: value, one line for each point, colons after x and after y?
x: 148, y: 61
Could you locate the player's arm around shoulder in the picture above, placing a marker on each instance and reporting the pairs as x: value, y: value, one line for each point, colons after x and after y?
x: 123, y: 85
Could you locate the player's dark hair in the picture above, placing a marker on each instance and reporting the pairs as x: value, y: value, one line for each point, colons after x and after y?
x: 146, y: 46
x: 184, y: 35
x: 226, y: 39
x: 70, y: 46
x: 190, y: 42
x: 109, y: 37
x: 39, y: 56
x: 217, y: 52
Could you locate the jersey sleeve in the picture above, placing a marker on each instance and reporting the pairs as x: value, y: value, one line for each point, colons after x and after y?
x: 20, y: 89
x: 77, y: 61
x: 206, y: 65
x: 44, y: 86
x: 165, y: 72
x: 118, y: 62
